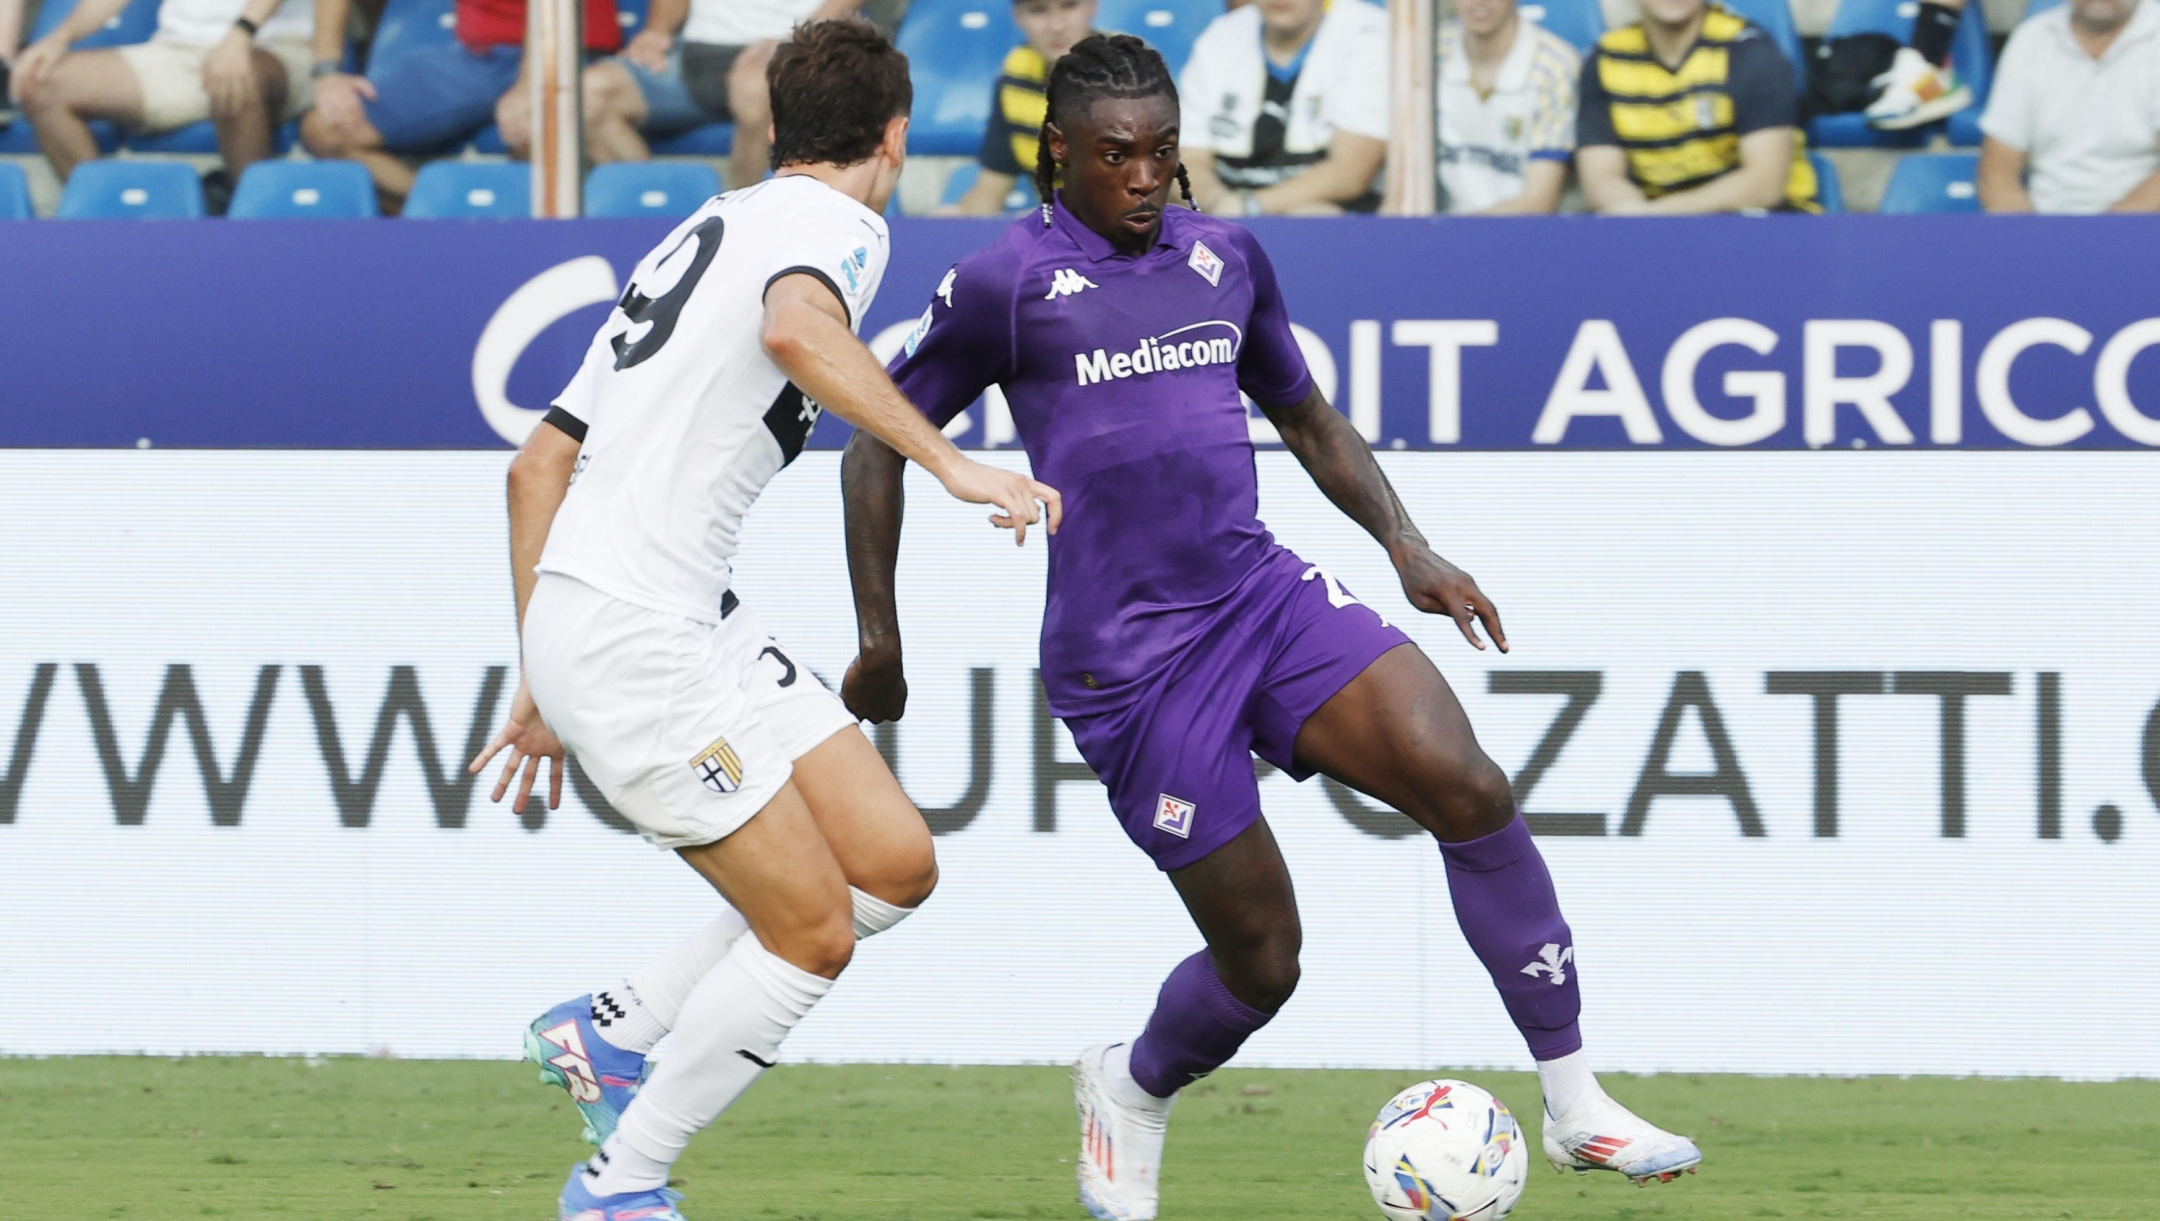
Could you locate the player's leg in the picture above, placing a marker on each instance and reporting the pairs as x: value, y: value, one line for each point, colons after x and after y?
x: 82, y: 86
x: 245, y: 122
x: 614, y: 109
x: 1397, y: 733
x: 778, y: 872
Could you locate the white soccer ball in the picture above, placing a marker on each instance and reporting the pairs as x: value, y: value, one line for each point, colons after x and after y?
x: 1446, y: 1151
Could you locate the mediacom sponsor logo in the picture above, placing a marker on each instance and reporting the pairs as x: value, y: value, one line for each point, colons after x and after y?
x: 1162, y: 354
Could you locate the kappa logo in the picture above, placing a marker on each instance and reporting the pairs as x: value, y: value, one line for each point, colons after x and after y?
x: 1174, y: 816
x: 718, y: 767
x: 575, y: 1066
x: 944, y: 287
x: 1553, y: 960
x: 1206, y: 262
x: 1066, y: 283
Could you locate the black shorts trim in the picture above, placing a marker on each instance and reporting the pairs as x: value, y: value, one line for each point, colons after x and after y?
x: 568, y: 424
x: 822, y: 278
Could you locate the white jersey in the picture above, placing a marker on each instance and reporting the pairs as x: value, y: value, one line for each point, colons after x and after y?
x: 741, y: 23
x: 685, y: 418
x: 205, y: 23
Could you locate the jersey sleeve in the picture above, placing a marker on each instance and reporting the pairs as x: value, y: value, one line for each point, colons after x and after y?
x: 1552, y: 121
x: 1593, y: 108
x: 845, y: 247
x: 964, y: 341
x: 572, y: 410
x: 1761, y: 83
x: 2010, y: 105
x: 1271, y: 369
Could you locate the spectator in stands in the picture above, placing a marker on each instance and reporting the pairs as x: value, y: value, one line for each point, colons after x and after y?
x: 1507, y: 111
x: 2076, y: 105
x: 1690, y: 110
x: 1921, y: 85
x: 1016, y: 100
x: 432, y: 97
x: 1286, y: 108
x: 242, y: 64
x: 11, y: 36
x: 714, y: 72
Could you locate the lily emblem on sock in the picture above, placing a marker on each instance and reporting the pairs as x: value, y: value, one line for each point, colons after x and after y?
x: 1553, y: 961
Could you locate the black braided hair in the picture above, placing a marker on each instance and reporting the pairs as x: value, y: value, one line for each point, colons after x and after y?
x: 1100, y: 66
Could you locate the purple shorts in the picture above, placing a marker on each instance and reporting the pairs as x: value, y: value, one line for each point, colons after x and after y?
x: 1178, y: 758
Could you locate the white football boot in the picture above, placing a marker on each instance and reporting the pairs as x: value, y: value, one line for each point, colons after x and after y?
x: 1600, y: 1134
x: 1915, y: 92
x: 1121, y: 1137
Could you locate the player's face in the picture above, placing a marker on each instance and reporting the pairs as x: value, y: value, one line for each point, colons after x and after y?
x: 1053, y: 26
x: 1120, y: 160
x: 1484, y: 17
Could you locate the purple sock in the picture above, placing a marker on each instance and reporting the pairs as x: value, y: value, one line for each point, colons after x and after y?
x: 1197, y: 1026
x: 1505, y: 903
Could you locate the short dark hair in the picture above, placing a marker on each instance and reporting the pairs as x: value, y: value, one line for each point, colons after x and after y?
x: 1100, y: 66
x: 834, y: 86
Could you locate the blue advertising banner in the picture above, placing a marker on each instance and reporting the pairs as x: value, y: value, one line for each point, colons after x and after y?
x: 1569, y: 332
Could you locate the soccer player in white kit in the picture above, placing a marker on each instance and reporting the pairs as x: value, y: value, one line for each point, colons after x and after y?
x: 697, y: 725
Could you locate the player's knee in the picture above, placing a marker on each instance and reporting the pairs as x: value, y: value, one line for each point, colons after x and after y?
x: 916, y: 876
x: 823, y: 946
x: 1473, y: 799
x: 1271, y: 976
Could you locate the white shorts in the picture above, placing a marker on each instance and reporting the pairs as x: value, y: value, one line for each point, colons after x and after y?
x: 170, y: 76
x: 688, y: 728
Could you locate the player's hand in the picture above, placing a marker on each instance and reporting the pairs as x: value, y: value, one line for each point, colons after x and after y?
x: 33, y: 64
x: 875, y: 688
x: 1009, y: 491
x: 529, y: 740
x: 649, y: 50
x: 1440, y: 588
x: 228, y: 73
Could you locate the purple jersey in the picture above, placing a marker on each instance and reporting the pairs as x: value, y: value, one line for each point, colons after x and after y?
x: 1123, y: 373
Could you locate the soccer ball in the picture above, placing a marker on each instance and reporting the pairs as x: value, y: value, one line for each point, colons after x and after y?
x: 1446, y: 1151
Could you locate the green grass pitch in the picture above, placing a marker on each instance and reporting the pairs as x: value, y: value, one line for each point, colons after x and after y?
x: 337, y: 1138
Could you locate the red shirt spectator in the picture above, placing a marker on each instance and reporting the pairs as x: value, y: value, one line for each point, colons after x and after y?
x: 486, y: 23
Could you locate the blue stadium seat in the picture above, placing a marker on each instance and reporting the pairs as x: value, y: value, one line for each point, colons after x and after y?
x: 135, y: 23
x: 2038, y: 7
x: 131, y: 190
x: 649, y: 188
x: 470, y: 190
x: 1775, y: 16
x: 407, y: 24
x: 954, y: 50
x: 1829, y: 191
x: 1580, y: 22
x: 630, y: 14
x: 1933, y: 182
x: 1170, y: 26
x: 711, y: 140
x: 14, y: 192
x: 1968, y: 54
x: 282, y: 190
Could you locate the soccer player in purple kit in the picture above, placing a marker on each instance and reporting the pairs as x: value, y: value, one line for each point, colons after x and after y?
x: 1179, y: 638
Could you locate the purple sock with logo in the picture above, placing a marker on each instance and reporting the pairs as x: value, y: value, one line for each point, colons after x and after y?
x: 1505, y: 903
x: 1196, y: 1027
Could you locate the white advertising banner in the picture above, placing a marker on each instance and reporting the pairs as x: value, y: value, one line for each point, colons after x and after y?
x: 1843, y: 762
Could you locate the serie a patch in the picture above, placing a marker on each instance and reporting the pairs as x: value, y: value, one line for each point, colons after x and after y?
x: 718, y: 767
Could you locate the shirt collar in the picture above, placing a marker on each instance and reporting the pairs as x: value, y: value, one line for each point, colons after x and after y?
x: 1094, y: 245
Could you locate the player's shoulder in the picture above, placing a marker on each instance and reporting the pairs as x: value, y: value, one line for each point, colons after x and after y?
x: 993, y: 272
x: 1206, y: 237
x: 1551, y: 53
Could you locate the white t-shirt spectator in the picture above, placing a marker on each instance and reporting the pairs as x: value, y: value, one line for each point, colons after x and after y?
x: 205, y: 23
x: 1487, y: 142
x: 739, y: 23
x: 2090, y: 128
x: 1342, y: 83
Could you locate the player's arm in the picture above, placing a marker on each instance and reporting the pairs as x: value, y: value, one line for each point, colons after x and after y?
x: 1342, y: 464
x: 1543, y: 181
x: 1766, y: 159
x: 875, y: 493
x: 539, y: 478
x: 1345, y: 173
x: 806, y: 333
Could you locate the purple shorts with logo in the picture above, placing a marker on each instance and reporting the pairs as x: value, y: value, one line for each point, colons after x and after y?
x: 1178, y: 758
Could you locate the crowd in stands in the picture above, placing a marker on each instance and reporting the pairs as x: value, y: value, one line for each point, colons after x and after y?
x: 1695, y: 107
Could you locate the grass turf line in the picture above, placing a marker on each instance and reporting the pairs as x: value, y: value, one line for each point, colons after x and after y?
x: 251, y: 1137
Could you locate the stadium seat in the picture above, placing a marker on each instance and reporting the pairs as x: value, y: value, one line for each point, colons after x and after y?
x: 14, y: 192
x: 711, y: 140
x: 202, y: 138
x: 407, y: 24
x: 1775, y: 16
x: 631, y: 15
x: 135, y: 23
x: 1170, y: 26
x: 470, y: 190
x: 1968, y: 54
x: 2038, y: 7
x: 1933, y: 182
x: 131, y: 190
x: 1829, y: 191
x: 281, y: 190
x: 1580, y: 22
x: 649, y: 188
x: 954, y: 50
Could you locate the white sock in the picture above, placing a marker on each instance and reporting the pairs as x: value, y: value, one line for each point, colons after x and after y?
x: 1568, y: 1083
x: 1117, y: 1066
x: 647, y: 1004
x: 874, y: 915
x: 728, y: 1033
